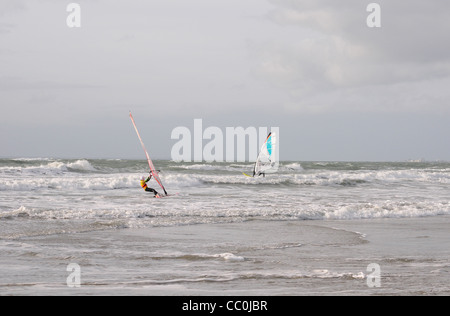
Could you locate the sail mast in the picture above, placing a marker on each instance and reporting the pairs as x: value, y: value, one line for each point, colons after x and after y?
x: 150, y: 163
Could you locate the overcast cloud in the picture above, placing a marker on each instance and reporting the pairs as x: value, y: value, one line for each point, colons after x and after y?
x: 405, y: 64
x: 337, y: 89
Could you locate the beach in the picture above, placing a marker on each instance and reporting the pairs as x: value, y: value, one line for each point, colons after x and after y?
x: 252, y: 258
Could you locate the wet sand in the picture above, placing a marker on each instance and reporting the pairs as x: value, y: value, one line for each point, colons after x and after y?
x: 404, y: 256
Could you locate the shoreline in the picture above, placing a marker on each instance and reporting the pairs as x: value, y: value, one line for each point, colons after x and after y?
x: 256, y: 257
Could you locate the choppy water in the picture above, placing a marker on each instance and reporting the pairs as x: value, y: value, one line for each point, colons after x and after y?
x: 46, y: 196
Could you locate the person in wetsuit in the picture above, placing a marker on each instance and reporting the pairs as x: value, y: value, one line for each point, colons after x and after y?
x: 146, y: 188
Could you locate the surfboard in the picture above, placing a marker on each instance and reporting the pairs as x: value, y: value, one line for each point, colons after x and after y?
x: 165, y: 196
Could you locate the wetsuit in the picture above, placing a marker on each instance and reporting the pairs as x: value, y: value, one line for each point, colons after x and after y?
x: 146, y: 188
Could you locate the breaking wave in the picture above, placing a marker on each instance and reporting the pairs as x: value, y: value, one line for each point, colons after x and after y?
x: 81, y: 194
x: 46, y: 167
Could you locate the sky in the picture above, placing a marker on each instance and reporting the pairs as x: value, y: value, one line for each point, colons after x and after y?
x: 337, y: 89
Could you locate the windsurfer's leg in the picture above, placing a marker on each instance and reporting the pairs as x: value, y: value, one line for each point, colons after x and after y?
x: 152, y: 190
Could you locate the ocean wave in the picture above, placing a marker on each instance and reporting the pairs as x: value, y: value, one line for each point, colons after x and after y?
x: 83, y: 175
x: 206, y: 167
x: 233, y: 167
x: 199, y: 257
x: 329, y: 178
x: 389, y: 209
x: 31, y: 159
x: 220, y: 167
x: 33, y: 183
x: 270, y: 276
x: 51, y: 167
x: 80, y: 165
x: 295, y: 166
x: 26, y: 221
x: 84, y: 182
x: 146, y: 213
x: 94, y: 194
x: 294, y: 274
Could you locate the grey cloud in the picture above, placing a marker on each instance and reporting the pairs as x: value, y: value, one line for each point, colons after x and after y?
x: 67, y: 92
x: 5, y: 27
x: 412, y: 31
x: 16, y: 83
x: 11, y: 6
x: 341, y: 52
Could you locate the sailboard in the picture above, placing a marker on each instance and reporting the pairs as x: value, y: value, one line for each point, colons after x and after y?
x: 267, y: 161
x: 153, y: 171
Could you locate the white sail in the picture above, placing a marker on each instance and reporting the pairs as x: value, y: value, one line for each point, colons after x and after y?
x: 267, y: 161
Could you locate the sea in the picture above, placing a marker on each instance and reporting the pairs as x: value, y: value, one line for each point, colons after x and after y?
x: 86, y: 227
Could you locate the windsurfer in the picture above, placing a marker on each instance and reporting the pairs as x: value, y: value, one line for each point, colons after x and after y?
x: 145, y: 187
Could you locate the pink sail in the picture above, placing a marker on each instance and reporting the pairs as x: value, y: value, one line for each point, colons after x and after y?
x: 150, y: 163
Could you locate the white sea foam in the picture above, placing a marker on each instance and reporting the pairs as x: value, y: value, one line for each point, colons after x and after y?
x: 291, y: 166
x: 229, y: 256
x: 50, y: 168
x: 68, y: 183
x: 201, y: 167
x: 107, y: 193
x: 83, y: 165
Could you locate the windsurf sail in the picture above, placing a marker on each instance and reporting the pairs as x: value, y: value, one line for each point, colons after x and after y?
x: 153, y: 171
x: 267, y: 161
